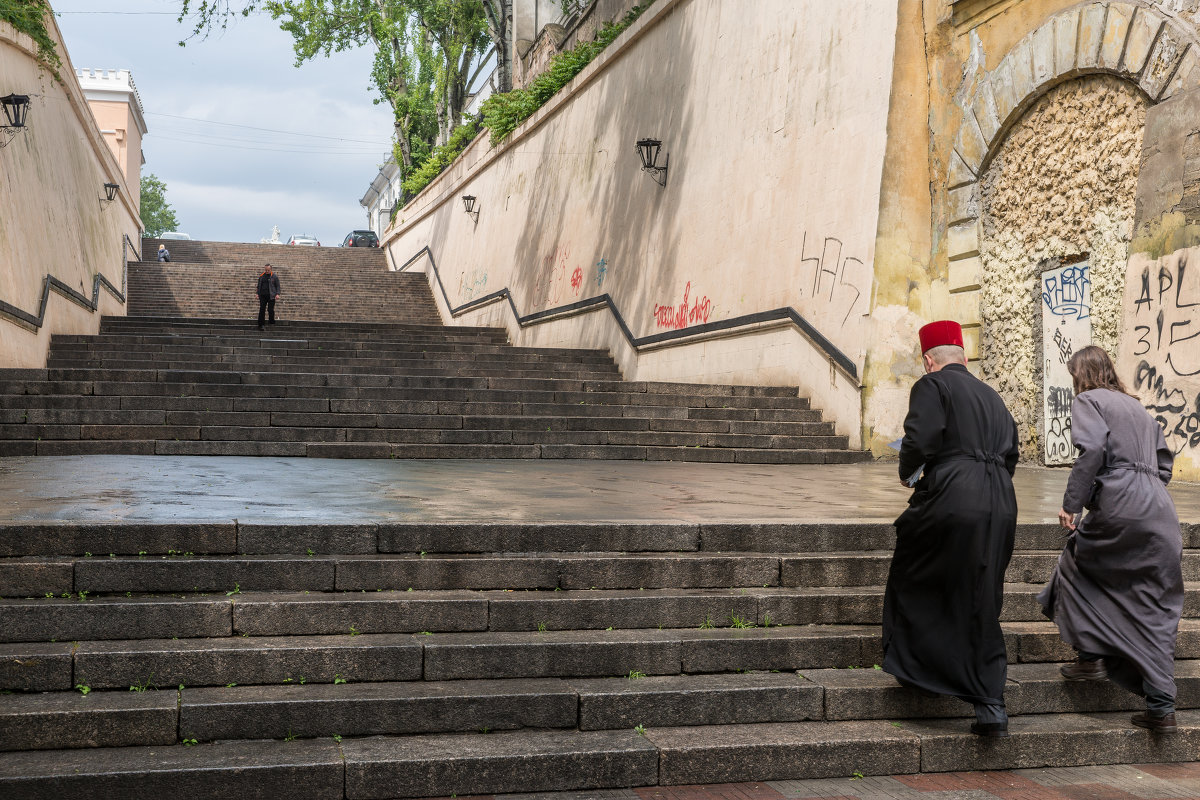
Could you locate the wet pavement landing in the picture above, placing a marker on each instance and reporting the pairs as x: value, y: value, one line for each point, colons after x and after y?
x: 166, y: 488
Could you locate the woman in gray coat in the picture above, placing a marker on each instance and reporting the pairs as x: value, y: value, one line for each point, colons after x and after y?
x: 1117, y: 592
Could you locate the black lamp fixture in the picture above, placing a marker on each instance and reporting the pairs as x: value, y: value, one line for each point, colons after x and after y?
x: 110, y: 194
x: 648, y: 150
x: 469, y: 206
x: 16, y: 110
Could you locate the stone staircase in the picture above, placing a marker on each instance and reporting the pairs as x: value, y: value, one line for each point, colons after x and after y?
x: 408, y: 660
x: 147, y: 386
x: 218, y: 279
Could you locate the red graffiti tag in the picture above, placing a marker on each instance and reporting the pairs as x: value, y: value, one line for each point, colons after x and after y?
x: 675, y: 317
x: 577, y: 279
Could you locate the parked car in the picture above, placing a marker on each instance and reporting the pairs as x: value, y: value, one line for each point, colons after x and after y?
x: 304, y: 239
x: 361, y: 239
x: 175, y: 235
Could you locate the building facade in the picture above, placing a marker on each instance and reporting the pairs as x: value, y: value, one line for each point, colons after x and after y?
x: 115, y: 103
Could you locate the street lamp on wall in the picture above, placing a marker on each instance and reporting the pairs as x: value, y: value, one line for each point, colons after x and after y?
x: 469, y: 207
x: 110, y: 194
x: 648, y: 150
x: 16, y: 111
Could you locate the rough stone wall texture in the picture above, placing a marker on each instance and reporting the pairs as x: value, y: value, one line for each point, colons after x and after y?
x: 1062, y: 185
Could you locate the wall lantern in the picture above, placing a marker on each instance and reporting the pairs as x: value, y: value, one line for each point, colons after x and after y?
x: 110, y: 194
x: 469, y: 207
x: 648, y: 150
x: 16, y: 110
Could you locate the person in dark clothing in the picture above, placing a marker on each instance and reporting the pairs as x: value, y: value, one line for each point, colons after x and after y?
x: 1117, y: 592
x: 941, y: 608
x: 163, y: 253
x: 268, y: 293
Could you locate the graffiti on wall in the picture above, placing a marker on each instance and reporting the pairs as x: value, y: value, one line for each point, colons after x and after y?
x: 472, y: 283
x: 1165, y: 346
x: 674, y: 317
x: 1066, y: 327
x: 833, y: 277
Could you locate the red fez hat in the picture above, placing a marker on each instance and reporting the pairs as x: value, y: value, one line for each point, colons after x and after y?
x: 936, y: 334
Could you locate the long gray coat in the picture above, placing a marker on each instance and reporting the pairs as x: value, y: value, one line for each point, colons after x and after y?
x: 1118, y: 587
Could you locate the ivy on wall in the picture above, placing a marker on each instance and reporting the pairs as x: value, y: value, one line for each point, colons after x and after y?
x: 502, y: 113
x: 29, y: 17
x: 440, y: 158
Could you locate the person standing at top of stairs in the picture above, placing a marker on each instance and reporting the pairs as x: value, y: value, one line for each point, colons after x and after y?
x: 268, y: 293
x: 941, y: 613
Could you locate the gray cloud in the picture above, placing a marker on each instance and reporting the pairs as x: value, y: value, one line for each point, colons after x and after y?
x: 233, y: 183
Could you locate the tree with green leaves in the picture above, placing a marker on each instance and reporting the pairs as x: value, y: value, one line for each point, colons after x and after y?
x: 428, y: 53
x: 157, y: 216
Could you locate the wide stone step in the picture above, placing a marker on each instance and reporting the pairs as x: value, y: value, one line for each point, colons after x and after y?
x: 294, y: 449
x: 790, y: 542
x: 90, y: 614
x: 530, y: 761
x: 66, y: 720
x: 219, y: 661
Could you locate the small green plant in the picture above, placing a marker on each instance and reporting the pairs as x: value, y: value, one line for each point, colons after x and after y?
x: 708, y: 623
x: 856, y: 776
x: 337, y: 678
x: 87, y: 554
x: 311, y: 552
x: 190, y: 743
x: 143, y: 685
x: 83, y: 595
x: 636, y: 675
x: 288, y: 680
x: 83, y: 688
x: 767, y: 619
x: 541, y: 627
x: 354, y: 631
x: 237, y: 589
x: 303, y: 680
x: 640, y: 730
x: 485, y: 729
x: 337, y: 737
x: 290, y: 737
x: 738, y: 622
x: 230, y: 685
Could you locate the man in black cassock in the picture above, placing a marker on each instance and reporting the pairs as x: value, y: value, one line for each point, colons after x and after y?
x: 941, y: 610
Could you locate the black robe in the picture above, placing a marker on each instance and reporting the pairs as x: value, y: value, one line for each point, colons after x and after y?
x: 941, y: 610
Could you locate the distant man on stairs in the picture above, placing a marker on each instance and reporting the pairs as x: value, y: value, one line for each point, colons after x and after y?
x: 268, y: 293
x: 941, y: 609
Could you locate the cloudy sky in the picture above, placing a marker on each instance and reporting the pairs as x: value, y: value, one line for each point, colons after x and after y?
x: 243, y: 139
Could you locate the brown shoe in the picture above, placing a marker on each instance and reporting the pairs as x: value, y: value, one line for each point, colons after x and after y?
x: 1163, y: 724
x: 1085, y: 670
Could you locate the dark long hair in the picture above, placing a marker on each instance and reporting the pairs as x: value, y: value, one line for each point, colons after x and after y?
x: 1091, y: 368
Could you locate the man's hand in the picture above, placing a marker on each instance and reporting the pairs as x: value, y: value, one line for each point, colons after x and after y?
x: 1066, y: 520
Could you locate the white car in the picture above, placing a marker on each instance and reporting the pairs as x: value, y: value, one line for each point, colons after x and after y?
x: 304, y: 239
x: 175, y: 235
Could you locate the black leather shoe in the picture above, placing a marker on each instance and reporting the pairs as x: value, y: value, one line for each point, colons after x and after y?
x: 1163, y: 724
x: 1085, y: 670
x: 990, y: 730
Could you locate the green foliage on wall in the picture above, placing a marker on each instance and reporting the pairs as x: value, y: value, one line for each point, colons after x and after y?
x: 502, y: 113
x: 29, y: 17
x: 440, y: 158
x: 157, y: 216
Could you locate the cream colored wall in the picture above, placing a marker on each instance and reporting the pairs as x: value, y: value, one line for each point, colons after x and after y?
x: 125, y: 141
x: 51, y: 221
x: 771, y: 198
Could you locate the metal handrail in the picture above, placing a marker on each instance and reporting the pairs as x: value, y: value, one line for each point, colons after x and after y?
x: 786, y: 314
